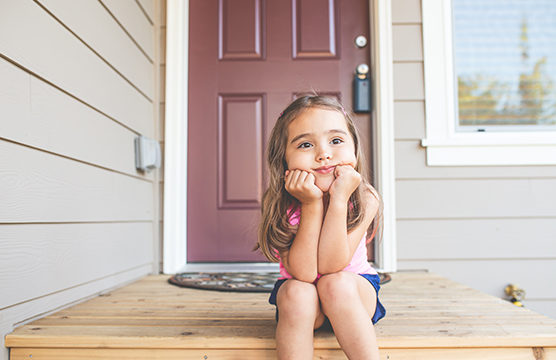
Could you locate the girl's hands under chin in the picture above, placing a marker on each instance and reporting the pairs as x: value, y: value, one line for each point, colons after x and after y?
x: 347, y: 180
x: 301, y: 185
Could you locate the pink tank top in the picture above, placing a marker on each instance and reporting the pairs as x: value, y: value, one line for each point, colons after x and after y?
x: 358, y: 263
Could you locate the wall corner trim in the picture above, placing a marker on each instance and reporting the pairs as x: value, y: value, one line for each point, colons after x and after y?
x: 383, y: 69
x: 175, y: 138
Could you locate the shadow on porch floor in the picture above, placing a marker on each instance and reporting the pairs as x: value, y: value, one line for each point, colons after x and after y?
x: 429, y: 317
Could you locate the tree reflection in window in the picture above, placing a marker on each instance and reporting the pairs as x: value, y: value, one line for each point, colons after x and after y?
x: 505, y: 61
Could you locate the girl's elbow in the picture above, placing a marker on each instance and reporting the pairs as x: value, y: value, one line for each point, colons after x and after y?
x: 330, y: 270
x: 308, y: 277
x: 333, y: 267
x: 329, y: 267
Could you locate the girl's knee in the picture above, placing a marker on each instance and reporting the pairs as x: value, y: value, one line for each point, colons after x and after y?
x: 297, y: 299
x: 337, y: 288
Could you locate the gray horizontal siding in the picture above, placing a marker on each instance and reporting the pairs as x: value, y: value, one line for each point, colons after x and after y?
x: 33, y: 108
x: 60, y: 256
x: 406, y: 11
x: 411, y: 163
x: 408, y: 81
x: 409, y: 120
x: 112, y: 44
x: 476, y: 198
x: 535, y: 276
x: 407, y: 42
x: 481, y: 239
x: 133, y: 20
x: 50, y: 51
x: 543, y: 306
x: 482, y: 226
x: 79, y: 83
x: 41, y: 187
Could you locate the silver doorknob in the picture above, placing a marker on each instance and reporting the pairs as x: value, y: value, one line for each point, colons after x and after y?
x: 362, y: 69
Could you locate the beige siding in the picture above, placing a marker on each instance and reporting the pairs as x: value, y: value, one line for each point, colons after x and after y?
x: 482, y: 226
x: 41, y: 187
x: 40, y: 123
x: 411, y: 162
x: 78, y: 83
x: 408, y: 81
x: 492, y: 275
x: 161, y: 70
x: 55, y: 54
x: 148, y: 8
x: 130, y: 17
x: 476, y: 198
x: 406, y: 12
x: 410, y: 119
x: 480, y: 238
x: 81, y: 252
x: 112, y: 44
x: 407, y: 43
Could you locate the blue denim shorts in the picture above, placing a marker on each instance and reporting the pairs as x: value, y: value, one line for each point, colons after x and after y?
x: 380, y: 311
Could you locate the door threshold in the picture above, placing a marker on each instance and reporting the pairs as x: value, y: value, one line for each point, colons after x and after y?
x: 238, y: 267
x: 230, y: 267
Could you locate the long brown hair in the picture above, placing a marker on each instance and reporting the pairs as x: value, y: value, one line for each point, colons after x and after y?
x: 275, y: 232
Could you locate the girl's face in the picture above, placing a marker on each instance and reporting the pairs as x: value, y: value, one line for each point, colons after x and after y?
x: 318, y: 141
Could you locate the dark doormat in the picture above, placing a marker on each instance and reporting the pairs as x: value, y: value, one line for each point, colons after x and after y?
x: 235, y: 281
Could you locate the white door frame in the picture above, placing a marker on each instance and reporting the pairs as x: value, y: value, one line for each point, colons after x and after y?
x: 175, y: 140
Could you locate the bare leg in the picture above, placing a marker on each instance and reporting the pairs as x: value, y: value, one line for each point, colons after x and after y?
x: 298, y: 314
x: 349, y: 301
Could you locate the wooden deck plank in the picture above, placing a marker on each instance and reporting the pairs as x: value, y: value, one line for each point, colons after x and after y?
x: 212, y: 314
x: 427, y: 317
x: 255, y: 337
x: 268, y: 321
x: 125, y: 321
x: 391, y: 354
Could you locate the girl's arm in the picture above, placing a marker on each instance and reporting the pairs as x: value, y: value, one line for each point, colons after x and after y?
x: 336, y: 246
x: 301, y: 259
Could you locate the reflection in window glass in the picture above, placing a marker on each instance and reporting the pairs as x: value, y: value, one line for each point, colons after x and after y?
x: 505, y: 63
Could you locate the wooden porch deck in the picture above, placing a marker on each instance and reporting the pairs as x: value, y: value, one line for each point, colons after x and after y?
x: 428, y: 317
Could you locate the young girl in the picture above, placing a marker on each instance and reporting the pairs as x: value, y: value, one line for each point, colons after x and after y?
x: 315, y: 216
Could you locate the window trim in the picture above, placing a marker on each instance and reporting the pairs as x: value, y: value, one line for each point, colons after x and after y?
x: 445, y: 146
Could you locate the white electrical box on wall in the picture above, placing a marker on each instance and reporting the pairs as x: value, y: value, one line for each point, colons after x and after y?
x: 147, y: 153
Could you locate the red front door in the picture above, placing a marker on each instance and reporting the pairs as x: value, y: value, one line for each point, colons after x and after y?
x: 247, y: 60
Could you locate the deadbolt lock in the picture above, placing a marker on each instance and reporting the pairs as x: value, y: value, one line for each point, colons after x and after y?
x: 361, y: 89
x: 361, y: 41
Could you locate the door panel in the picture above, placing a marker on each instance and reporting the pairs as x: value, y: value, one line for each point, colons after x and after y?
x: 315, y: 29
x: 247, y: 60
x: 240, y: 155
x: 240, y: 29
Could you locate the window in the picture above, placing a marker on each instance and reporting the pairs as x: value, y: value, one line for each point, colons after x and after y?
x: 490, y: 82
x: 505, y: 64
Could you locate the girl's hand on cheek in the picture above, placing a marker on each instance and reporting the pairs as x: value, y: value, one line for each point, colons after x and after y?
x: 347, y: 180
x: 301, y: 185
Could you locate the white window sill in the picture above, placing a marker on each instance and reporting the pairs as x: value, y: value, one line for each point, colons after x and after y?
x: 492, y: 150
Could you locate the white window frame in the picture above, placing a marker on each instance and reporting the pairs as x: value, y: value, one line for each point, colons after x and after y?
x: 175, y: 159
x: 447, y: 147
